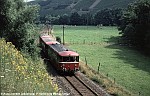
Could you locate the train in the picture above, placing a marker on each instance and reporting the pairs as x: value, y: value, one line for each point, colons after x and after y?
x: 61, y: 57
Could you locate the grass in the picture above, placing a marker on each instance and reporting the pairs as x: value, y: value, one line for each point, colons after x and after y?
x: 126, y: 66
x: 20, y: 74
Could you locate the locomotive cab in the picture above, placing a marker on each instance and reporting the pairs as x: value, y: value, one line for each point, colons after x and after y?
x: 69, y: 61
x: 63, y: 59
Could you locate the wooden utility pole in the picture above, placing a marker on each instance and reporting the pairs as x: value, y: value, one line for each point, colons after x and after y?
x: 48, y: 29
x: 63, y: 35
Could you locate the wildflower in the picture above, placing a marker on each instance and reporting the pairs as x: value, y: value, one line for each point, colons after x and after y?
x: 7, y: 70
x: 17, y: 78
x: 13, y: 62
x: 2, y: 76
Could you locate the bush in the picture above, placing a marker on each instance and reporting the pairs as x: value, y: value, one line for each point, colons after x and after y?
x: 58, y: 39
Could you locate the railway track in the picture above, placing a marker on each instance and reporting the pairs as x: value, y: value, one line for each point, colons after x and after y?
x: 80, y: 86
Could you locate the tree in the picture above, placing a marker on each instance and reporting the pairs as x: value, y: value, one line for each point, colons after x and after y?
x: 75, y: 19
x: 86, y: 19
x: 117, y: 13
x: 103, y: 17
x: 64, y: 20
x: 135, y: 27
x: 108, y: 17
x: 51, y: 19
x: 5, y: 19
x: 17, y: 23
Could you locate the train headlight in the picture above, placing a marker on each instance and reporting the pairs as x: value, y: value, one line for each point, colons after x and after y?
x: 63, y: 65
x: 75, y: 65
x: 64, y: 69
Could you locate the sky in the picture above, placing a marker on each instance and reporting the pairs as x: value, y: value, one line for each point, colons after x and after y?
x: 28, y: 0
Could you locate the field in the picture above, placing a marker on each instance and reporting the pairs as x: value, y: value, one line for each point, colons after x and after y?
x: 127, y: 67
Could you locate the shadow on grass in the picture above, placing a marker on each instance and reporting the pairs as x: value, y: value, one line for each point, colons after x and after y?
x: 129, y: 55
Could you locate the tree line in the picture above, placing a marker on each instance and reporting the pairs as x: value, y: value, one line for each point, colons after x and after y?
x: 104, y: 17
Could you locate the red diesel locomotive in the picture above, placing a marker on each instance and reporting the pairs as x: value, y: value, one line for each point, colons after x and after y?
x: 60, y: 56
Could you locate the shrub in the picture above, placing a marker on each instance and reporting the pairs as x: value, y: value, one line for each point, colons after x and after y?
x: 58, y: 39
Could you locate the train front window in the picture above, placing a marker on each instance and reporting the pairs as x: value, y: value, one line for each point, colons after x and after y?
x: 66, y: 59
x: 71, y: 59
x: 77, y: 58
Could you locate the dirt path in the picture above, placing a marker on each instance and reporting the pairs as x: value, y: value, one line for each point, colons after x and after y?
x: 94, y: 4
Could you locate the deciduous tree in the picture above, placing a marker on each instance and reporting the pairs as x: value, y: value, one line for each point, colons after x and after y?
x: 17, y: 23
x: 135, y: 27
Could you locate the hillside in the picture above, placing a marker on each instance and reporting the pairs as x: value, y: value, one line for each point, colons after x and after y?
x: 19, y: 73
x: 59, y: 7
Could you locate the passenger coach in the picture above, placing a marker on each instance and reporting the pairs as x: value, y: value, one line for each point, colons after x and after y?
x: 44, y: 41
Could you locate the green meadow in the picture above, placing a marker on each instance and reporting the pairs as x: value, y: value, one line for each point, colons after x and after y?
x: 128, y: 67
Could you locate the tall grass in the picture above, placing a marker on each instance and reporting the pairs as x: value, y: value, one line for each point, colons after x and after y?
x: 22, y: 75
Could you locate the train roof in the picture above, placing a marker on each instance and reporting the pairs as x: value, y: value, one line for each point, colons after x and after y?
x: 47, y: 39
x: 68, y: 53
x: 52, y: 42
x: 63, y: 51
x: 59, y: 47
x: 45, y: 36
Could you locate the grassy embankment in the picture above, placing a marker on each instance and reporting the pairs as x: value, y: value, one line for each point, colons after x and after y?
x: 123, y: 66
x: 20, y: 74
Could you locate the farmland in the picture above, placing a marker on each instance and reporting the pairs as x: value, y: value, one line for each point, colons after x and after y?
x: 128, y: 67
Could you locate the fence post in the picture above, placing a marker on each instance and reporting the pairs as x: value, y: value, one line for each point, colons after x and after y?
x: 98, y: 67
x: 114, y: 80
x: 85, y: 60
x: 107, y: 75
x: 139, y: 93
x: 63, y: 35
x: 84, y: 41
